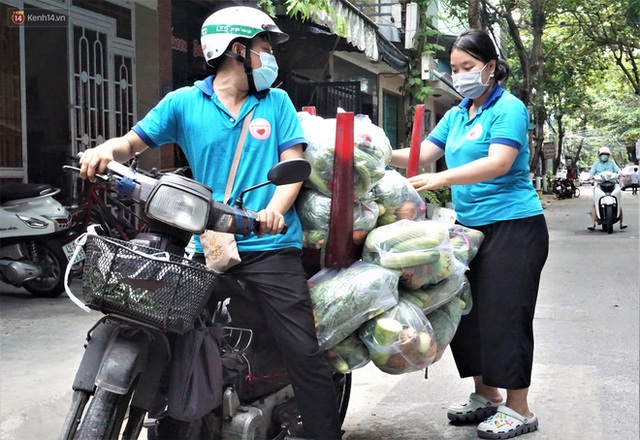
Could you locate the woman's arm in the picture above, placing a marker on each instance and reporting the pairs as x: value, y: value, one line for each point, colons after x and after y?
x: 497, y: 163
x: 429, y: 153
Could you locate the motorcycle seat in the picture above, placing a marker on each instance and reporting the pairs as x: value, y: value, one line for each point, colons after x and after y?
x: 17, y: 191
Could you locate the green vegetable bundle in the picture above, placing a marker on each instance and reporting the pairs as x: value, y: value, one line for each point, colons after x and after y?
x: 343, y: 299
x: 432, y: 296
x: 347, y: 355
x: 420, y: 250
x: 314, y: 208
x: 445, y: 321
x: 369, y: 157
x: 398, y: 199
x: 400, y: 340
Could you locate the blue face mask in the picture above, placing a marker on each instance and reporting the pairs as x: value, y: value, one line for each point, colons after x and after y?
x: 604, y: 157
x: 265, y: 75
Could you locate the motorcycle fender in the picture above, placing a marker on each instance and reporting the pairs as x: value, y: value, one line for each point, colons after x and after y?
x: 92, y: 358
x: 123, y: 359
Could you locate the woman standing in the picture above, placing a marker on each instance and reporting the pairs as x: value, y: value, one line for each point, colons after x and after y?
x: 485, y: 143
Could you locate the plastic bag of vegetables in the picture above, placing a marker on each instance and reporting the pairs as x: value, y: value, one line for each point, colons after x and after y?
x: 398, y: 199
x: 465, y: 242
x: 445, y: 321
x: 368, y: 158
x: 364, y: 129
x: 420, y: 250
x: 400, y: 340
x: 343, y: 299
x: 314, y: 208
x: 349, y: 354
x: 432, y: 296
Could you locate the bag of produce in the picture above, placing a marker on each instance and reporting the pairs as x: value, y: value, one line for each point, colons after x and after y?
x: 368, y: 158
x: 398, y: 199
x: 400, y: 340
x: 465, y: 296
x: 465, y: 242
x: 343, y: 299
x: 420, y: 250
x: 432, y: 296
x: 445, y: 321
x: 349, y: 354
x: 314, y: 208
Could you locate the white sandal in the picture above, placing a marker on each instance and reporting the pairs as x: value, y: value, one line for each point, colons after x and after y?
x: 475, y: 409
x: 506, y: 423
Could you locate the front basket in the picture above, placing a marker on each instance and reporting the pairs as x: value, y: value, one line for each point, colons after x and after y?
x: 140, y: 283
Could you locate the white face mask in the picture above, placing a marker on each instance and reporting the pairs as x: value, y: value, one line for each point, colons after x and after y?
x: 265, y: 75
x: 469, y: 84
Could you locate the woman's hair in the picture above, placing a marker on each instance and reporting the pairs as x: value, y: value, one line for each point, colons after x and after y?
x: 479, y: 45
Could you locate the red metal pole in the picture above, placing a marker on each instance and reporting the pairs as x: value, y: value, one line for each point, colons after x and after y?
x: 310, y: 109
x: 339, y: 250
x: 416, y: 139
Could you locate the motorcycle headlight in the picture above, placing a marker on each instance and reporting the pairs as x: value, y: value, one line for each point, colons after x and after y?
x: 179, y: 202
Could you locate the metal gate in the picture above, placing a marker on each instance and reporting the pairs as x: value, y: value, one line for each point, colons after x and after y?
x: 102, y: 86
x: 325, y: 96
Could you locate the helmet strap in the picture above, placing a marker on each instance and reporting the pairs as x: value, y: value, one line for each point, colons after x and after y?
x: 246, y: 63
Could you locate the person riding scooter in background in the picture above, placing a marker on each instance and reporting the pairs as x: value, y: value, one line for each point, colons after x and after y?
x: 604, y: 164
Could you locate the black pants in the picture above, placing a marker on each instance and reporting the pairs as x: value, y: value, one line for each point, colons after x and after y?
x: 495, y: 340
x: 276, y: 283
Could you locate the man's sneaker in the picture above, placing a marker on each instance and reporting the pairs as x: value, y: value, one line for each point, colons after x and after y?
x: 623, y: 226
x: 592, y: 227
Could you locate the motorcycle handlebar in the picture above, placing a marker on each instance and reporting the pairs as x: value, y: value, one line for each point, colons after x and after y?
x: 137, y: 186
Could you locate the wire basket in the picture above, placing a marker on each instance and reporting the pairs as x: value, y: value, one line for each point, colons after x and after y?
x: 140, y: 283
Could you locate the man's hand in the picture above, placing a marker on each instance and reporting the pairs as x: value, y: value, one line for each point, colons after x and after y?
x: 271, y: 222
x: 94, y: 160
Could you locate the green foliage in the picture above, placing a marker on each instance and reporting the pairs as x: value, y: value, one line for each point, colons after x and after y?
x: 304, y: 10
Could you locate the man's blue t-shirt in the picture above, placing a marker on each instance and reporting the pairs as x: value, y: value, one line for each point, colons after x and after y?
x: 195, y: 119
x: 502, y: 119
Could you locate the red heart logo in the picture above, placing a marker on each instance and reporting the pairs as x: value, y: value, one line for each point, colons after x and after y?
x: 261, y: 131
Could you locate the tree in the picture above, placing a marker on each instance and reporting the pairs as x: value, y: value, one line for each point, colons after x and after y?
x: 615, y: 28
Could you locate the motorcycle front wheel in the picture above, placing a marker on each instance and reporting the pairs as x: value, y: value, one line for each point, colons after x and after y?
x: 53, y: 263
x: 608, y: 214
x: 105, y: 417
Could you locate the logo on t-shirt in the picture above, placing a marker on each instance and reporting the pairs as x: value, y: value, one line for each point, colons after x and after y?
x: 260, y: 129
x: 475, y: 132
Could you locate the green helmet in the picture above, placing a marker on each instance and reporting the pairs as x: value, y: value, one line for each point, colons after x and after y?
x: 225, y: 25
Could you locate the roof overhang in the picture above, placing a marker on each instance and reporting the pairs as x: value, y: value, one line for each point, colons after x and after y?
x: 364, y: 34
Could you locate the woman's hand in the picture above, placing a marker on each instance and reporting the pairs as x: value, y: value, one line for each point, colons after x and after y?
x: 427, y: 181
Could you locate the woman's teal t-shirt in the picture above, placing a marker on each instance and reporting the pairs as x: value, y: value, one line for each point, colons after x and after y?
x: 502, y: 119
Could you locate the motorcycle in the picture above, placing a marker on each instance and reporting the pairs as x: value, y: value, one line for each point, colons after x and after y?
x: 564, y: 189
x: 35, y: 238
x: 149, y: 295
x: 606, y: 197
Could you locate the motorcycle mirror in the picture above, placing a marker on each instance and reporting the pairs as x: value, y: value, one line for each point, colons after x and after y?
x: 289, y: 171
x: 282, y: 173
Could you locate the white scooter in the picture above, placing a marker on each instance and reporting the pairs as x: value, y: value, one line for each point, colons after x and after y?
x: 607, y: 200
x: 35, y: 241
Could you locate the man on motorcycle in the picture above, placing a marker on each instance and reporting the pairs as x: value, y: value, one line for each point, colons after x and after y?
x: 603, y: 165
x: 206, y: 120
